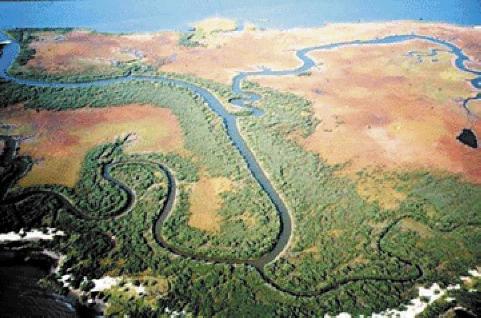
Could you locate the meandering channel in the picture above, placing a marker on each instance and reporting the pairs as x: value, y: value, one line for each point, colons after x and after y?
x: 11, y: 50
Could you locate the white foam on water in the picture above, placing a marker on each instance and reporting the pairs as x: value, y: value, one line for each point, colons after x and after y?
x: 104, y: 283
x: 33, y: 235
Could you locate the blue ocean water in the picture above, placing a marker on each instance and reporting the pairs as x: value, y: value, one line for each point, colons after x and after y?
x: 154, y: 15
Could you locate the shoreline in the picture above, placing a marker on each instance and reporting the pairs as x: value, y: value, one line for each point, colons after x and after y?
x: 313, y: 28
x: 267, y: 177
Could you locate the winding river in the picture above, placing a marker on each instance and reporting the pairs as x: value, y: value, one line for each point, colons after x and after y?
x: 11, y: 50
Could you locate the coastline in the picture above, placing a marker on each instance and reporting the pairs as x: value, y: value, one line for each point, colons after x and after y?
x: 78, y: 293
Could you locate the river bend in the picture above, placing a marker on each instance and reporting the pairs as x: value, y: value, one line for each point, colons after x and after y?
x: 11, y: 50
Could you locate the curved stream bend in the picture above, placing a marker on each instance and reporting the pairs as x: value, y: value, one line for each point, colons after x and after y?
x: 308, y: 63
x: 65, y: 199
x: 165, y: 212
x: 10, y: 51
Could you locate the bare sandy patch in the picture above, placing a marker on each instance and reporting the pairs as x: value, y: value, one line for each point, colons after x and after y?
x: 215, y: 24
x: 205, y: 201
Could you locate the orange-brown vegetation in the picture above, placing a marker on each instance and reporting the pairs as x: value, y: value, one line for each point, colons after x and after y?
x: 224, y: 53
x: 80, y: 51
x: 227, y: 53
x: 379, y: 107
x: 205, y: 202
x: 60, y: 139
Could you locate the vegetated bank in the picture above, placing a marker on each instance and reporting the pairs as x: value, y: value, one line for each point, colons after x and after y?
x: 376, y: 237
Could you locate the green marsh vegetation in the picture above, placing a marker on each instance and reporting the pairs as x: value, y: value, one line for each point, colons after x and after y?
x: 205, y: 136
x: 338, y: 236
x: 126, y: 247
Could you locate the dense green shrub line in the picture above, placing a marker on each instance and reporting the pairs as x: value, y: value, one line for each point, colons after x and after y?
x: 205, y: 137
x: 125, y: 246
x: 337, y: 232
